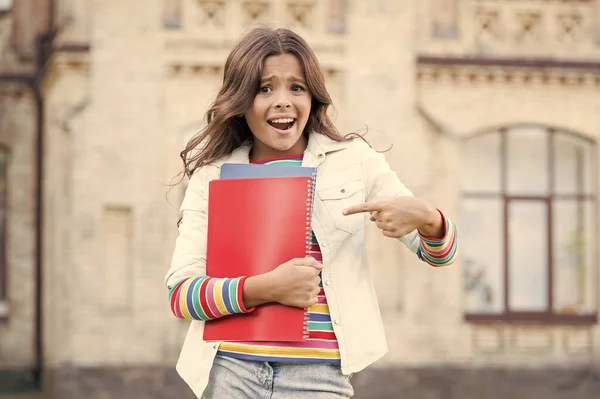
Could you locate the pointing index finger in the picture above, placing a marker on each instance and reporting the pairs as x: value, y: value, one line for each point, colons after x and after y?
x: 361, y: 208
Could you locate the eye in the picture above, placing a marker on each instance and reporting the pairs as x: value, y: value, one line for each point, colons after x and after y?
x: 265, y: 89
x: 297, y: 88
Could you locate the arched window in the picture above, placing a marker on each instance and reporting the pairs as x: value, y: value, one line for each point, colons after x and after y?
x: 3, y: 212
x: 529, y: 226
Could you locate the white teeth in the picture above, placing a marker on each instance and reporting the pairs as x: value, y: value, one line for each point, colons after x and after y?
x: 283, y: 120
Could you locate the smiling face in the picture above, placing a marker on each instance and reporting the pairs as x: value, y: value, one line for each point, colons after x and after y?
x: 280, y: 110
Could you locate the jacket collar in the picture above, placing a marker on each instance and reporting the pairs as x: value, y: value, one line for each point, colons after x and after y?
x: 318, y: 147
x: 321, y: 144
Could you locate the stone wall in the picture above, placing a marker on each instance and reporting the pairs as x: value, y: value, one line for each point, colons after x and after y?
x: 18, y: 135
x: 131, y: 83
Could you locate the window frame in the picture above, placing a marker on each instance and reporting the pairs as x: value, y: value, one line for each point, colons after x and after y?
x: 549, y: 316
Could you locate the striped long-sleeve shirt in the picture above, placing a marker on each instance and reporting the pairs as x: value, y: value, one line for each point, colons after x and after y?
x: 320, y: 346
x: 206, y: 298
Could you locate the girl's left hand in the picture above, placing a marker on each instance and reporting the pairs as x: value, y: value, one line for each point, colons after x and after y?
x: 399, y: 216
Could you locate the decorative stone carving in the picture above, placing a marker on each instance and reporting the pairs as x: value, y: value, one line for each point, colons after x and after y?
x: 488, y: 25
x: 70, y: 62
x: 529, y: 27
x: 570, y: 26
x: 255, y: 11
x: 179, y: 70
x: 301, y: 12
x: 524, y: 28
x: 212, y: 11
x: 517, y: 75
x: 191, y: 44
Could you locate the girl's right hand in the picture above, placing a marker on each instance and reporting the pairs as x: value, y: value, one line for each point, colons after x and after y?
x: 296, y: 282
x: 293, y: 283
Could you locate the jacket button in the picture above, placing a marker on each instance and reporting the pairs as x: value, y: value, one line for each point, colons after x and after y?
x: 328, y: 282
x: 321, y: 155
x: 337, y: 322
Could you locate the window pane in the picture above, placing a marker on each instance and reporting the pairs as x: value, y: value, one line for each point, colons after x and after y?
x: 527, y: 161
x: 573, y: 249
x: 482, y: 254
x: 574, y: 165
x: 337, y: 16
x: 481, y: 163
x: 172, y: 13
x: 528, y: 256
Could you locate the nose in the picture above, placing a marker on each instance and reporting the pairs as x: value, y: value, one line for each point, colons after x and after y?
x: 282, y: 102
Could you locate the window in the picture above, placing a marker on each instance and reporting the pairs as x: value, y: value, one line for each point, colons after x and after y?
x: 5, y: 5
x: 171, y: 13
x: 3, y: 211
x: 444, y: 18
x: 337, y: 16
x: 529, y: 226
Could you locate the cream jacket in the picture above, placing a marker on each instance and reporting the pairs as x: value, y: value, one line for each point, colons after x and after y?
x: 348, y: 173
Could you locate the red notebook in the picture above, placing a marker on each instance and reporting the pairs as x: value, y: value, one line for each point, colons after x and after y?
x: 254, y: 225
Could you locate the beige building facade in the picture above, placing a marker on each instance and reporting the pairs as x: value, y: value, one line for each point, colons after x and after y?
x: 493, y: 111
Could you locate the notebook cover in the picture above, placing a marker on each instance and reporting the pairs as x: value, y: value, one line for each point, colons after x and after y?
x: 254, y: 225
x: 245, y: 171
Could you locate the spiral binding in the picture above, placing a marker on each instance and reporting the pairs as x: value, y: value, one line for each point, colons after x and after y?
x: 308, y: 242
x: 309, y: 209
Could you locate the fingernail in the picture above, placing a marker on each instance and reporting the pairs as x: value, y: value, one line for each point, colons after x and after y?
x: 345, y: 211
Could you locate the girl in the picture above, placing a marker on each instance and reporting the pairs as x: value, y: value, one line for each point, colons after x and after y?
x: 272, y: 109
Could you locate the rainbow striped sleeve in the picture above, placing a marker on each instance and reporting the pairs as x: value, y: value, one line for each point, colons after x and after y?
x: 206, y: 298
x: 440, y: 251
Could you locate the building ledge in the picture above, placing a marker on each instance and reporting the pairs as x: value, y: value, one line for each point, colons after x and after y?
x: 537, y: 63
x: 532, y: 318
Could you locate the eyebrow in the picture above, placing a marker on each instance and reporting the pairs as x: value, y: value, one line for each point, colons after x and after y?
x: 271, y: 78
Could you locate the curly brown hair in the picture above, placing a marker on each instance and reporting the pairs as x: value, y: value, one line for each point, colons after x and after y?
x: 226, y: 129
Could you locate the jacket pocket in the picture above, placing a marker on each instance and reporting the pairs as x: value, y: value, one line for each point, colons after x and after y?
x: 339, y: 197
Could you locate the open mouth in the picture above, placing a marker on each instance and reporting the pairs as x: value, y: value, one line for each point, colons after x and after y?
x: 282, y: 123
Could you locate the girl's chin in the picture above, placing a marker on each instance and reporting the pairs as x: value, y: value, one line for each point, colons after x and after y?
x: 284, y: 146
x: 285, y: 138
x: 281, y: 145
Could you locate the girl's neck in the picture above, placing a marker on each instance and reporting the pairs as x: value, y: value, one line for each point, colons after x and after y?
x: 261, y: 152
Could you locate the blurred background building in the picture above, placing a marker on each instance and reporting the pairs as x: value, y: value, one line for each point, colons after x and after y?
x: 493, y: 110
